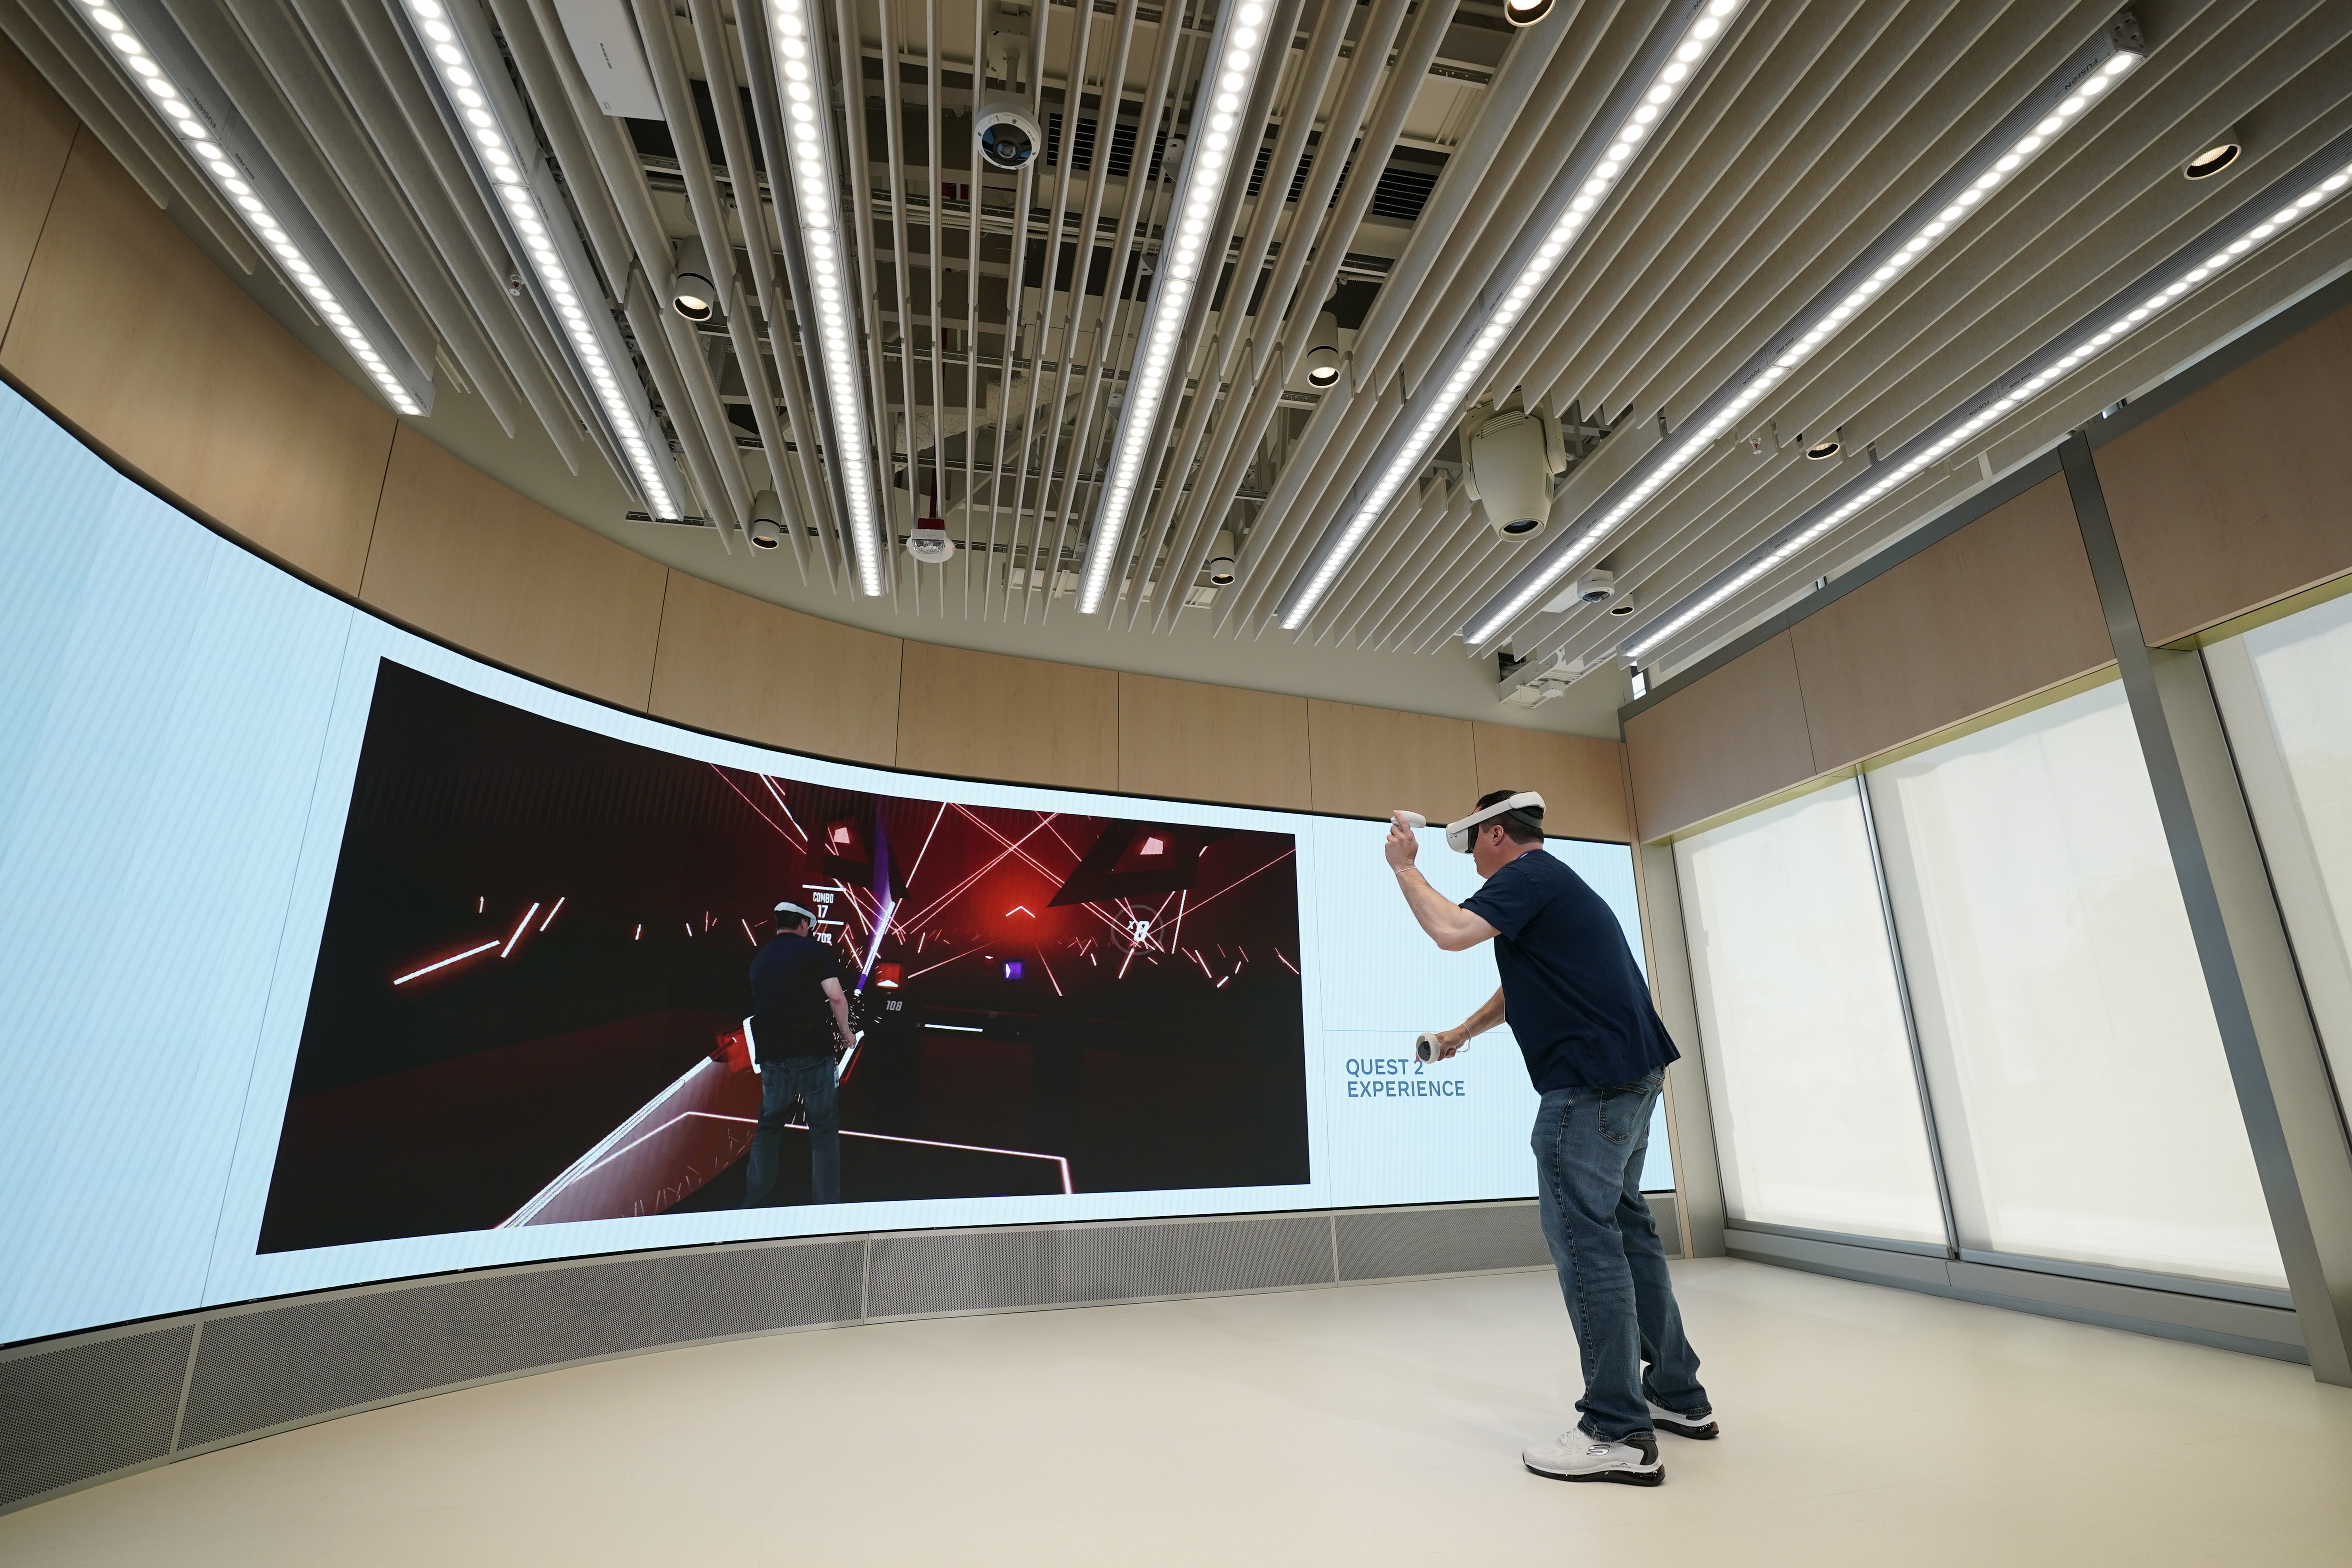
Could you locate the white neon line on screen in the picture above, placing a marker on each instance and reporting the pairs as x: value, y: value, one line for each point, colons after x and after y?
x: 446, y: 962
x: 937, y: 817
x: 525, y: 921
x: 784, y: 807
x: 960, y: 1028
x: 762, y: 815
x: 1058, y: 1160
x: 552, y: 913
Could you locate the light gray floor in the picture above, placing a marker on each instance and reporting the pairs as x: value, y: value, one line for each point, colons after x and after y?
x: 1375, y: 1424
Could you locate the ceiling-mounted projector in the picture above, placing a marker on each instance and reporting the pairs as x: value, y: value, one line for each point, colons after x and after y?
x: 1515, y: 461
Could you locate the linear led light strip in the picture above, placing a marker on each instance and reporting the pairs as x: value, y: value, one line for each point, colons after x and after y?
x: 1823, y: 320
x: 1941, y: 440
x: 197, y: 137
x: 499, y: 158
x: 1665, y: 84
x: 1237, y: 53
x: 807, y: 113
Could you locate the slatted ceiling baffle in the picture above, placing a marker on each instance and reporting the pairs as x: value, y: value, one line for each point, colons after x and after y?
x: 2075, y: 246
x: 2084, y: 219
x: 1216, y: 371
x: 1312, y: 229
x: 1054, y: 497
x: 1810, y: 131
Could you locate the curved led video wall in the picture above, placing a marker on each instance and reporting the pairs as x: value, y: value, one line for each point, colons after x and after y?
x: 330, y: 955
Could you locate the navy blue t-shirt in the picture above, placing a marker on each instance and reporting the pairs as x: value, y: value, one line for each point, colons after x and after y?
x: 1571, y: 992
x: 791, y: 1015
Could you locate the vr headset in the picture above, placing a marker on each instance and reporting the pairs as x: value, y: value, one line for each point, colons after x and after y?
x: 1527, y: 807
x: 786, y: 914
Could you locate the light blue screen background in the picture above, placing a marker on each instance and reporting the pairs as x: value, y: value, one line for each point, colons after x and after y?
x: 180, y: 725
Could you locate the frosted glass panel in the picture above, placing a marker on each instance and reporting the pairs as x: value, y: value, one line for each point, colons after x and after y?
x: 2085, y: 1109
x: 1816, y: 1104
x: 2286, y: 694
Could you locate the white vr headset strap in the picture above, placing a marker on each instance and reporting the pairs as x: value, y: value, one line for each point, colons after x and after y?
x: 1457, y: 834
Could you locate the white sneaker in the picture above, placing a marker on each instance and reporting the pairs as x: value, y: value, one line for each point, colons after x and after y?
x: 1699, y: 1425
x: 1579, y: 1456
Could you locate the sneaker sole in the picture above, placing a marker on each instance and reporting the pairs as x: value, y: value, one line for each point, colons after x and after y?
x: 1622, y: 1478
x: 1699, y: 1433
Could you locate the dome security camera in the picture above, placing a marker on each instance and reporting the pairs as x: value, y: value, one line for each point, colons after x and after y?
x: 1597, y: 586
x: 1008, y: 132
x: 1322, y: 361
x: 1515, y: 459
x: 767, y: 530
x: 693, y: 286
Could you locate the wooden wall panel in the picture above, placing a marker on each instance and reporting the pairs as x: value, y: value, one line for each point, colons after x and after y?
x: 2002, y: 608
x: 1582, y: 780
x: 1369, y: 761
x: 36, y: 131
x: 131, y: 333
x: 985, y: 715
x: 1194, y: 742
x: 463, y: 557
x: 1732, y: 737
x: 743, y: 666
x: 2241, y: 493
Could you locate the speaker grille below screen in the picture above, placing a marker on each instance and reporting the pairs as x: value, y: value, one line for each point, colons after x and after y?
x: 84, y: 1411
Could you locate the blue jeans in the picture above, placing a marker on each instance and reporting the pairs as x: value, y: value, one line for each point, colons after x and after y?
x: 810, y: 1081
x: 1588, y: 1144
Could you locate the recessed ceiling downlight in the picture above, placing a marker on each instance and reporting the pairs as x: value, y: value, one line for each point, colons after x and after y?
x: 2211, y: 161
x: 1823, y: 450
x: 1526, y: 13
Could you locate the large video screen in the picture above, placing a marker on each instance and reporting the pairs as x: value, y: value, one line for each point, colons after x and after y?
x: 330, y: 955
x: 537, y: 949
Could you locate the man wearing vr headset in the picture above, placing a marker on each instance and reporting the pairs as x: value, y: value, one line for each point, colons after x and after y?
x: 799, y: 1024
x: 1597, y: 1054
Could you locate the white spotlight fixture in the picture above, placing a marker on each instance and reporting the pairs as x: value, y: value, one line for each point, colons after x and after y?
x: 1239, y: 45
x: 2045, y: 118
x: 1221, y: 558
x: 693, y: 290
x: 1675, y: 54
x: 149, y: 47
x: 1526, y: 13
x: 808, y: 148
x: 767, y: 530
x: 483, y: 108
x: 2319, y: 181
x: 1323, y: 352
